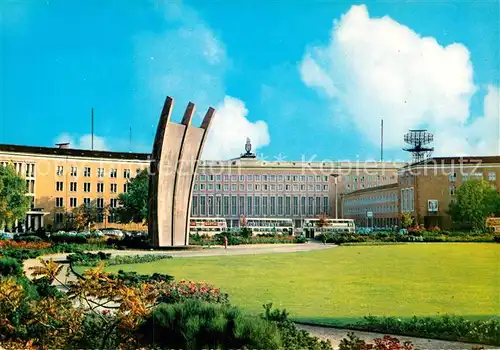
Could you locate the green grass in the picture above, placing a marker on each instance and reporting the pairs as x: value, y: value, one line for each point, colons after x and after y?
x: 341, y: 285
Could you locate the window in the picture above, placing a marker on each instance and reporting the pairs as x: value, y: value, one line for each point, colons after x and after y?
x: 210, y: 178
x: 113, y: 202
x: 113, y: 188
x: 273, y: 206
x: 325, y: 178
x: 303, y: 205
x: 242, y: 187
x: 256, y: 206
x: 465, y: 177
x: 225, y: 206
x: 295, y: 178
x: 30, y: 186
x: 100, y: 172
x: 287, y: 187
x: 265, y: 187
x: 194, y: 206
x: 264, y: 206
x: 310, y: 187
x: 295, y: 187
x: 257, y: 187
x: 74, y: 171
x: 280, y: 177
x: 126, y: 173
x: 218, y: 205
x: 452, y: 190
x: 273, y: 187
x: 249, y: 177
x: 112, y: 173
x: 72, y: 202
x: 125, y: 188
x: 203, y: 177
x: 234, y: 187
x: 210, y: 206
x: 59, y: 202
x: 234, y: 177
x: 310, y: 178
x: 218, y: 177
x: 249, y: 205
x: 288, y: 206
x: 288, y: 178
x: 318, y: 205
x: 280, y: 205
x: 86, y: 187
x: 272, y: 177
x: 100, y: 187
x: 233, y: 206
x: 318, y: 187
x: 280, y: 187
x: 218, y: 187
x: 325, y: 205
x: 242, y: 177
x: 325, y: 187
x: 302, y: 187
x: 203, y: 206
x: 318, y: 178
x: 86, y: 202
x: 195, y: 187
x: 302, y: 178
x: 241, y: 204
x: 100, y: 203
x: 295, y: 205
x: 86, y: 172
x: 60, y: 170
x: 492, y: 176
x: 210, y: 187
x: 73, y: 187
x: 59, y: 186
x: 226, y: 187
x: 226, y: 177
x: 310, y: 210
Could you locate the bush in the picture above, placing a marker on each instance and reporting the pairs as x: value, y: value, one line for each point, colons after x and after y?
x: 66, y: 238
x: 198, y: 325
x: 131, y: 278
x: 20, y: 254
x: 291, y: 336
x: 29, y: 238
x: 135, y: 259
x: 136, y: 242
x: 445, y: 327
x: 353, y: 342
x: 497, y: 238
x: 87, y: 259
x: 10, y: 267
x: 181, y: 291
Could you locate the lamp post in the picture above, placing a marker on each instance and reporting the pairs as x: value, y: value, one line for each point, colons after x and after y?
x: 335, y: 176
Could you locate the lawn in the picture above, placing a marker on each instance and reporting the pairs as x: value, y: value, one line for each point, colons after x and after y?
x: 341, y: 285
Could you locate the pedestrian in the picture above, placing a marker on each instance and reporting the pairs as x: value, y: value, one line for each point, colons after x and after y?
x: 225, y: 242
x: 323, y: 238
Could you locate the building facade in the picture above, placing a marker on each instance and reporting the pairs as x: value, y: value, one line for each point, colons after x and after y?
x: 61, y: 179
x: 424, y: 190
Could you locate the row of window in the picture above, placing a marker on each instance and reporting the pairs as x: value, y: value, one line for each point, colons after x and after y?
x: 59, y: 217
x: 73, y: 187
x: 378, y: 209
x: 29, y: 168
x: 257, y: 178
x: 369, y: 178
x: 372, y: 200
x: 492, y: 176
x: 87, y: 172
x: 73, y: 202
x: 407, y: 200
x: 259, y: 187
x: 258, y: 206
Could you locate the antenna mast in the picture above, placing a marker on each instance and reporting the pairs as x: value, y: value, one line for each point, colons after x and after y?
x: 92, y: 130
x: 420, y: 141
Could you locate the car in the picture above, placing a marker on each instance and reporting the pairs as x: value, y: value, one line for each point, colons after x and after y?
x: 115, y: 233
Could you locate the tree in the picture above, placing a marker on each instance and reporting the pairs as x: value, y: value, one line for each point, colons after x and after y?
x: 133, y: 204
x: 13, y: 202
x: 476, y: 200
x: 85, y: 215
x: 406, y: 220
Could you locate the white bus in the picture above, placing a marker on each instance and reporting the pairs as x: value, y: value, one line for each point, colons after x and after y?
x: 268, y: 225
x: 313, y: 227
x: 207, y: 226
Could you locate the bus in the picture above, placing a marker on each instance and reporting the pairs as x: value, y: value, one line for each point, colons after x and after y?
x: 268, y: 225
x: 313, y: 227
x: 207, y: 226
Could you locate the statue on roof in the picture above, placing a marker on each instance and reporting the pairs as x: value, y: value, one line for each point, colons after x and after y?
x: 248, y: 150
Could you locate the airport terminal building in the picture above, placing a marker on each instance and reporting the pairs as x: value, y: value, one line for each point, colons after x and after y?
x: 59, y: 179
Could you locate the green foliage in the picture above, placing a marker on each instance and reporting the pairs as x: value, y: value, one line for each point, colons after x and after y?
x: 87, y: 259
x: 135, y: 242
x: 92, y: 326
x: 131, y: 278
x: 10, y: 267
x: 476, y: 200
x: 237, y: 239
x: 291, y: 336
x: 406, y: 220
x: 246, y: 232
x: 181, y: 291
x: 13, y: 202
x: 445, y: 327
x: 93, y: 259
x: 28, y: 238
x: 45, y: 289
x: 198, y: 325
x: 20, y: 254
x: 353, y: 342
x: 66, y: 238
x: 83, y: 216
x: 134, y: 203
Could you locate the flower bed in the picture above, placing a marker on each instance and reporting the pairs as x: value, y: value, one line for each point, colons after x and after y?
x: 235, y: 239
x: 175, y: 292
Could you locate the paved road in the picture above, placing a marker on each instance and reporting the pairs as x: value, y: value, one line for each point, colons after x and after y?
x: 333, y: 334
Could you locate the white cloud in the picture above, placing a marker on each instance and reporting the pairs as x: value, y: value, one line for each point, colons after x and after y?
x: 378, y: 68
x: 82, y: 142
x: 189, y: 62
x: 230, y: 129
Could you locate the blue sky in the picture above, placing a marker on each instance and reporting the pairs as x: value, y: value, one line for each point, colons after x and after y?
x: 282, y: 73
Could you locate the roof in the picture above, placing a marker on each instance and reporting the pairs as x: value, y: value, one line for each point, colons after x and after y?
x: 70, y: 152
x: 456, y: 160
x: 373, y: 189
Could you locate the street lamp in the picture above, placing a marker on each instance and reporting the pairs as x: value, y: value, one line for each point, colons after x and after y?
x: 335, y: 176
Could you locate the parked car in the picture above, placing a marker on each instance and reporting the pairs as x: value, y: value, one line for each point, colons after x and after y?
x: 115, y: 233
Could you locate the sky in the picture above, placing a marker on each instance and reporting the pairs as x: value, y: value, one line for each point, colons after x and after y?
x: 304, y: 80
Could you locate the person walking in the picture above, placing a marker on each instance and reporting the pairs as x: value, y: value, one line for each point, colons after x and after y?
x: 225, y: 242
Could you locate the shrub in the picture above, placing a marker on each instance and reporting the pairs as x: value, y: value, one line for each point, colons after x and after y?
x: 198, y: 325
x: 133, y: 279
x: 181, y: 291
x: 10, y: 267
x: 29, y: 238
x: 445, y: 327
x: 353, y: 342
x: 87, y: 259
x: 291, y: 336
x: 24, y: 245
x: 20, y: 254
x: 66, y: 238
x: 497, y: 238
x: 300, y: 239
x: 246, y: 232
x: 135, y: 259
x: 136, y: 242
